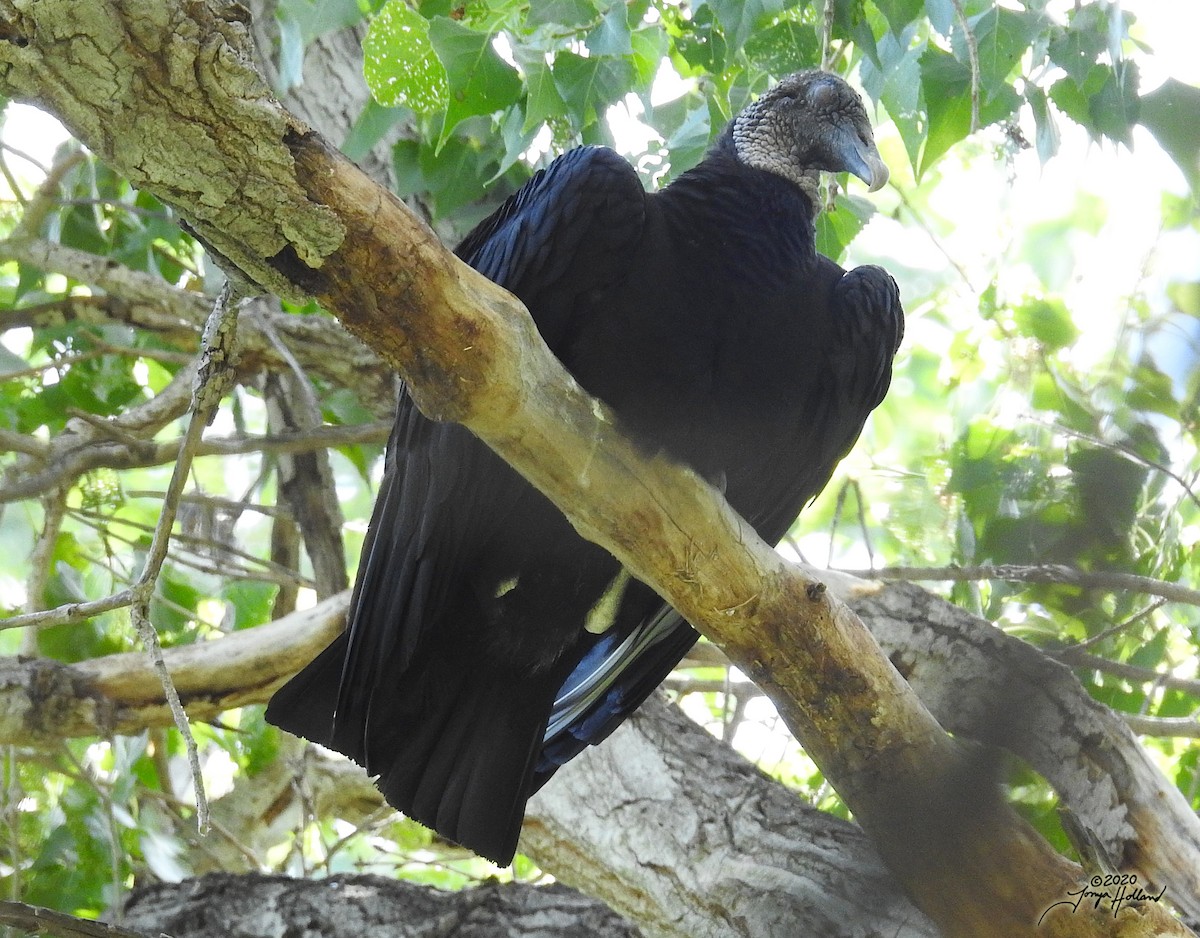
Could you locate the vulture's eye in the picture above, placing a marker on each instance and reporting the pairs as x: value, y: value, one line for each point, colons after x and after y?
x: 823, y: 95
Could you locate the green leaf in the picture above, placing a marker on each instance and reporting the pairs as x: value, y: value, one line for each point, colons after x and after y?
x: 701, y: 43
x: 739, y: 18
x: 317, y: 17
x: 1077, y: 47
x: 372, y: 125
x: 689, y: 140
x: 1047, y: 138
x: 1001, y: 38
x: 291, y: 50
x: 250, y: 601
x: 1185, y: 296
x: 480, y: 81
x: 454, y: 172
x: 850, y: 22
x: 612, y: 35
x: 946, y: 88
x: 543, y: 103
x: 837, y: 228
x: 1048, y: 321
x: 1172, y: 113
x: 1109, y: 487
x: 560, y: 13
x: 589, y: 85
x: 1115, y: 108
x: 1106, y: 103
x: 784, y: 48
x: 944, y: 18
x: 399, y: 62
x: 900, y: 13
x: 1152, y: 390
x: 517, y: 139
x: 896, y: 82
x: 649, y: 49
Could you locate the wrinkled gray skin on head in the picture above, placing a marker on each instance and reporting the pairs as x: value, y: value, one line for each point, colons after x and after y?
x: 810, y: 121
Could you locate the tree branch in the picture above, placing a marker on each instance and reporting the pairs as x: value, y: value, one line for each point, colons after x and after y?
x: 1108, y: 580
x: 32, y: 918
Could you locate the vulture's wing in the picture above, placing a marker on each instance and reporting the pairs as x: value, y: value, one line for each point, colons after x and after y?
x: 621, y: 671
x: 415, y: 703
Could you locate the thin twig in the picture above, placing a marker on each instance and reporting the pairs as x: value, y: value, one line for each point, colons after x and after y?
x: 1125, y: 450
x: 1130, y: 672
x: 213, y: 380
x: 69, y: 462
x: 827, y: 35
x: 216, y: 501
x: 68, y: 612
x: 13, y: 185
x: 937, y: 243
x: 257, y: 569
x: 1044, y: 573
x: 26, y: 157
x: 1184, y: 727
x: 45, y: 199
x: 973, y: 56
x: 1120, y: 626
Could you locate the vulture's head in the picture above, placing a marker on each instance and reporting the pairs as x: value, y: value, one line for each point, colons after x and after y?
x: 810, y: 121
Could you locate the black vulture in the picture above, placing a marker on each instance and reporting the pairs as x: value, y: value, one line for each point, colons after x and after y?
x: 488, y: 643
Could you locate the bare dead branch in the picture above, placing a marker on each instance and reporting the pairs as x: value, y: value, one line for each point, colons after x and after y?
x: 1163, y: 727
x: 1080, y: 659
x: 1110, y: 581
x: 72, y: 455
x: 973, y: 56
x: 35, y: 919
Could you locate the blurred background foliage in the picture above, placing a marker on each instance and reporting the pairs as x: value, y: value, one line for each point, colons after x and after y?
x: 1042, y: 222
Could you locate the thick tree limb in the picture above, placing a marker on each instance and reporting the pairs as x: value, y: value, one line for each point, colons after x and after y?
x: 34, y: 920
x: 223, y: 906
x: 295, y: 217
x: 42, y: 702
x: 733, y: 853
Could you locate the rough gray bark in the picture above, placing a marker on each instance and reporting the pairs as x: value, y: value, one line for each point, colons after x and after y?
x: 731, y: 852
x: 255, y: 906
x: 332, y: 93
x: 666, y: 824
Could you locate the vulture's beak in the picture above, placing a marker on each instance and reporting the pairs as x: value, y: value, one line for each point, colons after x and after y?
x: 860, y: 157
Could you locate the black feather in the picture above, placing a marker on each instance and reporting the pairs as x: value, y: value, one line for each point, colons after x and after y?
x: 704, y: 317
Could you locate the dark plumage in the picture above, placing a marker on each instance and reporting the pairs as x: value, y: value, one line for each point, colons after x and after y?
x: 704, y: 317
